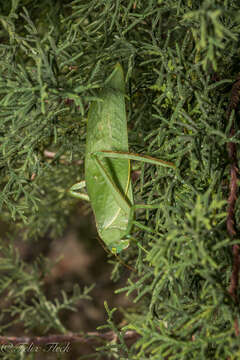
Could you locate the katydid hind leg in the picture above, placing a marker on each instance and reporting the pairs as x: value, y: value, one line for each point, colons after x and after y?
x: 133, y: 156
x: 118, y: 196
x: 123, y: 204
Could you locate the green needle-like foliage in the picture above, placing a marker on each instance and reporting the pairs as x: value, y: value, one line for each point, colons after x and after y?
x: 180, y: 58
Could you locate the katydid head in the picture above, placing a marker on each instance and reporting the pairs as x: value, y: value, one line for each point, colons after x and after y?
x: 118, y: 247
x: 115, y: 239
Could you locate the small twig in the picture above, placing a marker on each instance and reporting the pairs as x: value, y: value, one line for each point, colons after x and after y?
x: 89, y: 338
x: 51, y: 155
x: 233, y: 187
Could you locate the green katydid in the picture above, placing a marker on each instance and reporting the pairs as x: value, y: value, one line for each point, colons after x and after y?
x: 107, y: 165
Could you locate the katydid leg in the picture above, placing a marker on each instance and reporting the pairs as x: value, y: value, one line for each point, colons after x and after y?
x: 76, y: 187
x: 132, y: 156
x: 118, y: 196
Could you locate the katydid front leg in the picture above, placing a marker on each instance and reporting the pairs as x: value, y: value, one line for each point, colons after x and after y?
x: 74, y: 191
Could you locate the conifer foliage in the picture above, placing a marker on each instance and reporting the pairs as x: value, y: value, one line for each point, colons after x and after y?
x: 181, y: 60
